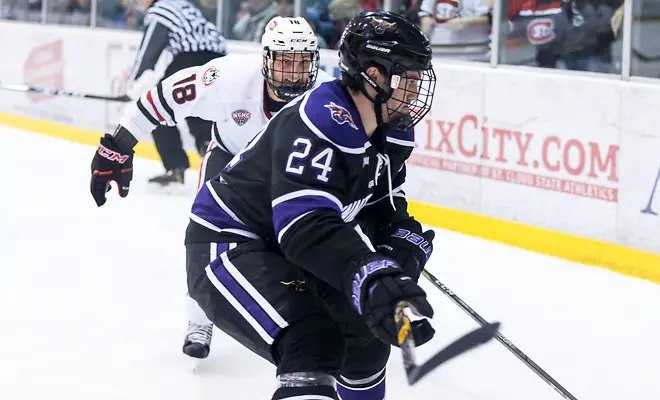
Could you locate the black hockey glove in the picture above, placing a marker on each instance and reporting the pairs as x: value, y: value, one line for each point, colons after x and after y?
x: 110, y: 163
x: 408, y: 246
x: 377, y: 288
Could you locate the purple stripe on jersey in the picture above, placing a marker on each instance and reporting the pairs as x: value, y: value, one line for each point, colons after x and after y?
x: 376, y: 392
x: 287, y: 211
x: 248, y: 303
x: 221, y: 248
x: 408, y: 135
x: 206, y: 208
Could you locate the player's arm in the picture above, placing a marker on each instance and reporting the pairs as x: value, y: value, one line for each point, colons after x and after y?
x: 309, y: 177
x: 426, y: 19
x: 393, y: 230
x: 186, y: 93
x: 154, y: 41
x: 382, y: 210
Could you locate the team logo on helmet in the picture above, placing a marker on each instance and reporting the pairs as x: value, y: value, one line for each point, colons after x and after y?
x: 380, y: 26
x: 340, y: 115
x: 241, y: 116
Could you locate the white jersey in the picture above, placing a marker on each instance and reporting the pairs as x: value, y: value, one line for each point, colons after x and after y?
x: 227, y: 90
x: 444, y: 10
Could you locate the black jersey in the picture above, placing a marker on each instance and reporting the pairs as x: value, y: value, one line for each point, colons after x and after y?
x: 301, y: 182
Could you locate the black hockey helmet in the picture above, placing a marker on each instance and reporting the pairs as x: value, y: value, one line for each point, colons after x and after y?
x: 399, y: 49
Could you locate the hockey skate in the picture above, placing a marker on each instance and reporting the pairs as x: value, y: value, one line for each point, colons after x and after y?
x: 172, y: 176
x: 171, y: 182
x: 198, y: 340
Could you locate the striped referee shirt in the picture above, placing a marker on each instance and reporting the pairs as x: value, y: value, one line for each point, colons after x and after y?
x: 178, y: 26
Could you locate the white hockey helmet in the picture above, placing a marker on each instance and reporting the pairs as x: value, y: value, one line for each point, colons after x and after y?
x: 291, y: 56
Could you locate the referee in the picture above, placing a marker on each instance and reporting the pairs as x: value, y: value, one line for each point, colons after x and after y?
x: 179, y: 27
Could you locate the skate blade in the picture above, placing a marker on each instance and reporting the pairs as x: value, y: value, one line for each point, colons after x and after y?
x: 196, y: 365
x: 173, y: 189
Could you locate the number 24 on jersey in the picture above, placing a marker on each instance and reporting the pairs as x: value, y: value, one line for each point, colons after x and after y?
x: 321, y: 161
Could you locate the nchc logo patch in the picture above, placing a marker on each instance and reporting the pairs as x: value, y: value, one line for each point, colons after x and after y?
x: 241, y: 116
x: 340, y: 115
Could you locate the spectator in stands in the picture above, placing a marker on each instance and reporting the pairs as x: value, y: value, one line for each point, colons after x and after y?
x: 242, y: 11
x: 133, y: 15
x: 371, y: 5
x: 252, y: 25
x: 21, y: 10
x: 458, y: 26
x: 284, y: 8
x: 73, y: 12
x: 409, y: 9
x: 585, y: 39
x: 314, y: 21
x: 209, y: 8
x: 341, y: 12
x: 567, y: 34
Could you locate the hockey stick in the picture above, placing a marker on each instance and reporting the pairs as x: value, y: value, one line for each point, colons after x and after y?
x: 500, y: 338
x: 57, y: 92
x: 462, y: 345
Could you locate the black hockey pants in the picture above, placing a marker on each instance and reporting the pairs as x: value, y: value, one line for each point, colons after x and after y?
x: 251, y: 292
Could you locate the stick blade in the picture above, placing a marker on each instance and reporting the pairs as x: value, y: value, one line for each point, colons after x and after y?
x: 460, y: 346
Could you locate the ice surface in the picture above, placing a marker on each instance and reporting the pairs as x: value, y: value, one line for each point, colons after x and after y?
x: 92, y: 303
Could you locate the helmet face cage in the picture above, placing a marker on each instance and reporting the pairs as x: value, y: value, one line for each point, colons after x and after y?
x: 411, y: 97
x: 402, y: 53
x: 290, y: 73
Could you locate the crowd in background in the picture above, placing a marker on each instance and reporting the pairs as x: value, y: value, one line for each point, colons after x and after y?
x: 570, y: 34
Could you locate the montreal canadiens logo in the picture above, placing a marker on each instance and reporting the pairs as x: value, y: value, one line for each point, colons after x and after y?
x: 541, y: 31
x: 241, y: 116
x: 210, y: 75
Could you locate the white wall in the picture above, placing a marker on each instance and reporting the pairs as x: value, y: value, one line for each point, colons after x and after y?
x: 573, y: 153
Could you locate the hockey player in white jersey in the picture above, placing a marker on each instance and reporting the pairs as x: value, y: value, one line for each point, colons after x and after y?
x: 240, y: 93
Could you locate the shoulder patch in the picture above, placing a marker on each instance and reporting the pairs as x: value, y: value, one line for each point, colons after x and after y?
x: 340, y: 115
x: 328, y: 113
x: 210, y: 75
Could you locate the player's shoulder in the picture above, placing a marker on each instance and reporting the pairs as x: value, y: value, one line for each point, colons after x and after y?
x: 233, y: 74
x: 322, y: 76
x: 160, y: 5
x: 402, y: 138
x: 238, y: 64
x: 328, y: 111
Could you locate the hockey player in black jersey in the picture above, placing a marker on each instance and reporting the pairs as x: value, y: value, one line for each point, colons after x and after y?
x: 275, y: 257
